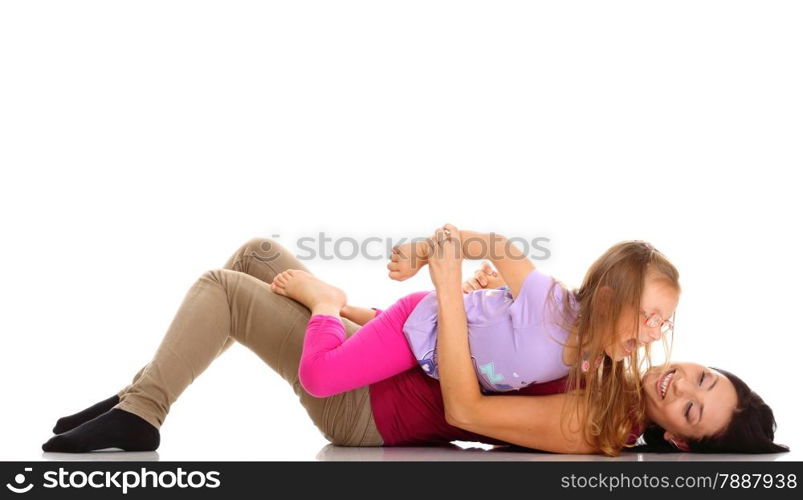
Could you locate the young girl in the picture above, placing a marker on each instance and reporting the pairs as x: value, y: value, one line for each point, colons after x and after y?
x: 531, y: 330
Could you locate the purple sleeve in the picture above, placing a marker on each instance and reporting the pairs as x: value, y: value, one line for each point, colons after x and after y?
x: 529, y: 304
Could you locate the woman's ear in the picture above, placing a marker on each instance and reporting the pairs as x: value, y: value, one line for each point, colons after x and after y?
x: 677, y: 441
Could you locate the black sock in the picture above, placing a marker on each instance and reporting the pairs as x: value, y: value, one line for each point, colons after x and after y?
x: 114, y: 429
x: 70, y: 422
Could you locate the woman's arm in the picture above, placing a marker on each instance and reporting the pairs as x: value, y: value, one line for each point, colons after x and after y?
x: 359, y: 315
x: 530, y: 421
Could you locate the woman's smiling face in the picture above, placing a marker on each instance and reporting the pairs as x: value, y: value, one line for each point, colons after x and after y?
x: 688, y: 400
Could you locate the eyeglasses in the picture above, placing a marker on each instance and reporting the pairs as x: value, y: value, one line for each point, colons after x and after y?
x: 654, y: 320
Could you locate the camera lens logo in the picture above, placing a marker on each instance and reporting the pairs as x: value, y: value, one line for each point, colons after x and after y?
x: 20, y: 479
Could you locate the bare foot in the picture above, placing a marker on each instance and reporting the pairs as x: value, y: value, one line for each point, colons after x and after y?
x: 305, y: 288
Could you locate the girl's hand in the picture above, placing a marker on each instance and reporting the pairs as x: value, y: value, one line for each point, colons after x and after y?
x: 446, y: 258
x: 486, y: 277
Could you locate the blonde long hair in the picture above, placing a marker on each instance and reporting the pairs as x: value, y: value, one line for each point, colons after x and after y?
x: 611, y: 392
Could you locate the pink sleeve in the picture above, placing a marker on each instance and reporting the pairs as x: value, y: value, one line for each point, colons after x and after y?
x: 330, y: 364
x: 378, y: 311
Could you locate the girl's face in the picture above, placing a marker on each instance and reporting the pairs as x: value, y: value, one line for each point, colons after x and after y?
x: 688, y: 400
x: 658, y: 297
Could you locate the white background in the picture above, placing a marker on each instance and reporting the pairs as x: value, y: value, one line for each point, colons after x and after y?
x: 141, y: 143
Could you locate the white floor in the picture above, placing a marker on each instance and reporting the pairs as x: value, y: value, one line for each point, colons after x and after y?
x: 241, y: 411
x: 226, y: 419
x: 461, y: 452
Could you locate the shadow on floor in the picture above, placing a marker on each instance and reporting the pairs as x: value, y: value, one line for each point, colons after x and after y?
x: 505, y: 453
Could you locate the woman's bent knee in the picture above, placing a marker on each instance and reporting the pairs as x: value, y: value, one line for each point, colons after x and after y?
x: 314, y: 381
x: 216, y: 275
x: 263, y: 249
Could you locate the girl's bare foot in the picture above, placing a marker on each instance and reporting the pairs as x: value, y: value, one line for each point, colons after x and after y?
x: 305, y: 288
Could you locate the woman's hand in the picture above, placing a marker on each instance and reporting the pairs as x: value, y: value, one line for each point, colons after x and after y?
x: 486, y: 277
x: 446, y: 258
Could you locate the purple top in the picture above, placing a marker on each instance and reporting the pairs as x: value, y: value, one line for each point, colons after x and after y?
x: 514, y: 343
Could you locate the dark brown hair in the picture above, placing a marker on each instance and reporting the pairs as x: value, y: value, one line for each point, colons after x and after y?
x: 750, y: 430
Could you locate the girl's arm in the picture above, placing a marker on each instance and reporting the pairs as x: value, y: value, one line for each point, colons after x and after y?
x: 485, y: 277
x: 530, y: 421
x: 512, y: 263
x: 359, y: 315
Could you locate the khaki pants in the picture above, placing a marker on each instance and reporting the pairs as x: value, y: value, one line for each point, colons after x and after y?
x: 236, y: 303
